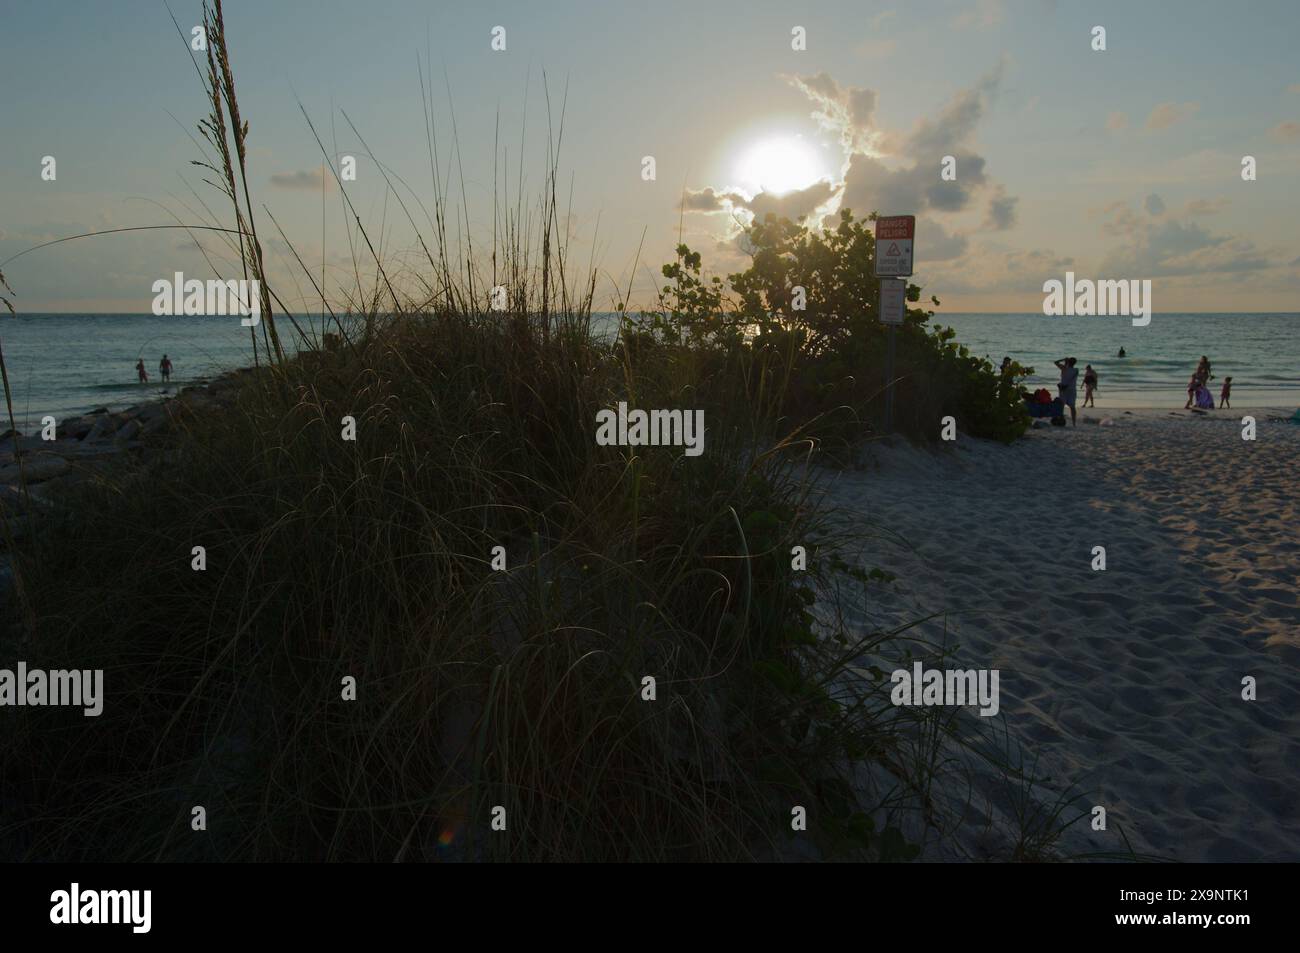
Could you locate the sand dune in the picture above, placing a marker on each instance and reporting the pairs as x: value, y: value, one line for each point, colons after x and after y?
x: 1125, y: 683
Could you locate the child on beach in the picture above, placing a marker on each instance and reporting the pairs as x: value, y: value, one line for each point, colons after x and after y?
x: 1225, y: 394
x: 1194, y: 383
x: 139, y: 369
x: 1089, y: 385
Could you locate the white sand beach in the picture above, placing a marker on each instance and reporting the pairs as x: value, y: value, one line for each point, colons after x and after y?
x: 1126, y: 684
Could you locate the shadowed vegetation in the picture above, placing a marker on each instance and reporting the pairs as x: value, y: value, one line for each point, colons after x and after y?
x: 374, y: 560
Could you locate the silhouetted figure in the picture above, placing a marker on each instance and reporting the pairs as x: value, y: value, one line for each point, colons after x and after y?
x: 165, y: 369
x: 1067, y: 386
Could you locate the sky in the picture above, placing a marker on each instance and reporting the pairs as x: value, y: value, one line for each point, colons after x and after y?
x: 1122, y: 163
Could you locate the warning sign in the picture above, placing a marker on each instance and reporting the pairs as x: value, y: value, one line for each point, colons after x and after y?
x: 893, y: 300
x: 894, y: 236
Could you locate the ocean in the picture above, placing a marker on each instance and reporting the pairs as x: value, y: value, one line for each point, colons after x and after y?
x: 1260, y: 352
x: 67, y: 364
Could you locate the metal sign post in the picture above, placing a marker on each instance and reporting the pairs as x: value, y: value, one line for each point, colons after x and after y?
x: 889, y: 378
x: 893, y: 307
x: 894, y: 239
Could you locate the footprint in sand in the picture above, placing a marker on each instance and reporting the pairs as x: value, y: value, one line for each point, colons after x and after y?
x: 1141, y: 701
x: 1145, y: 650
x: 1284, y: 597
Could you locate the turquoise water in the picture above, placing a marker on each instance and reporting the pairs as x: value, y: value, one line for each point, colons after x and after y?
x: 65, y: 364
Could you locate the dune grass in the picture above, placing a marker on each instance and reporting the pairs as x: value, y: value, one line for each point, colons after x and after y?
x: 484, y: 692
x: 327, y: 558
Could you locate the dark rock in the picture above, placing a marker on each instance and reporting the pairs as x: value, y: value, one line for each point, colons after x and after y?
x: 150, y: 411
x: 12, y: 499
x: 128, y: 431
x: 156, y: 425
x: 75, y: 428
x: 35, y: 469
x: 199, y: 401
x: 104, y: 427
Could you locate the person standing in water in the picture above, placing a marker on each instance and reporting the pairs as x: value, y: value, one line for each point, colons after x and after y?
x: 165, y: 368
x: 139, y: 369
x: 1089, y: 386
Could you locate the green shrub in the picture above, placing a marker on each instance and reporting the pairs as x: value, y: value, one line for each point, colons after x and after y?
x: 823, y: 365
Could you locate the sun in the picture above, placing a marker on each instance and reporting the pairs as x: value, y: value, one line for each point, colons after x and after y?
x: 779, y: 165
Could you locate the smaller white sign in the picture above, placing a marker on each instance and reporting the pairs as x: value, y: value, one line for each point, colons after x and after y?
x: 893, y: 300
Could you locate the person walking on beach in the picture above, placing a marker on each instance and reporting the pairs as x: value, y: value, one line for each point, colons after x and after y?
x: 1067, y: 386
x: 139, y: 369
x: 165, y: 369
x: 1089, y: 385
x: 1225, y: 394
